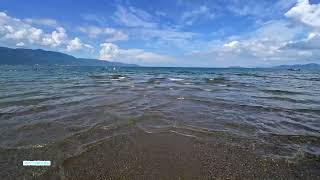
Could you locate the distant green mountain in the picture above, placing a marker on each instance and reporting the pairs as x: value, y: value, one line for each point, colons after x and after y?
x: 299, y: 66
x: 9, y: 56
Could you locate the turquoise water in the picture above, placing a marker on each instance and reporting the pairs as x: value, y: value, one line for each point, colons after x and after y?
x: 45, y: 104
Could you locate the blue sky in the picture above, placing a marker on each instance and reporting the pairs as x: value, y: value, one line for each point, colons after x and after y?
x: 202, y: 33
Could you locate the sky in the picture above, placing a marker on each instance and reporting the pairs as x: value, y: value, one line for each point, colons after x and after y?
x: 186, y: 33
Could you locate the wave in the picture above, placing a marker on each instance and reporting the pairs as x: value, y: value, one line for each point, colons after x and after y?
x: 108, y: 77
x: 281, y: 92
x: 156, y: 80
x: 175, y: 79
x: 20, y: 94
x: 250, y: 75
x: 284, y: 98
x: 216, y: 80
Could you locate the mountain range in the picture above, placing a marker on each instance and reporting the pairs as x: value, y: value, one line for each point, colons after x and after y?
x: 299, y: 66
x: 9, y: 56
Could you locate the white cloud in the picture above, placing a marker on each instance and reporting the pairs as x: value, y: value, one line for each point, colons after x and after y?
x: 140, y: 13
x: 42, y: 21
x: 94, y: 18
x: 14, y: 31
x: 133, y: 17
x: 108, y: 51
x: 114, y: 35
x: 231, y: 44
x: 247, y: 8
x: 274, y: 43
x: 165, y: 39
x: 112, y: 52
x: 143, y: 26
x: 76, y: 45
x: 164, y: 34
x: 20, y: 44
x: 111, y: 34
x: 311, y: 42
x: 305, y: 13
x: 202, y: 12
x: 92, y: 31
x: 56, y: 38
x: 260, y: 9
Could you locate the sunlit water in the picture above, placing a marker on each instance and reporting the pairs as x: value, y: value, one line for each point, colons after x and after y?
x: 44, y: 104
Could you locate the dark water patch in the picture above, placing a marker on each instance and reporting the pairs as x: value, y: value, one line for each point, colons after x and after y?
x: 304, y: 110
x: 80, y: 86
x: 308, y: 79
x: 251, y: 75
x: 281, y: 92
x: 185, y: 72
x: 118, y: 77
x: 28, y: 101
x: 214, y: 80
x: 156, y: 80
x: 109, y: 77
x: 19, y: 94
x: 313, y: 79
x: 284, y: 98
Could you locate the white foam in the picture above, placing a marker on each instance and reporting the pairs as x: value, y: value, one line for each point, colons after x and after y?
x: 183, y: 134
x: 175, y: 79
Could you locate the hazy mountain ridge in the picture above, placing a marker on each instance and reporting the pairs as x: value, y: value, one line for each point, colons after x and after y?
x: 9, y: 56
x: 299, y: 66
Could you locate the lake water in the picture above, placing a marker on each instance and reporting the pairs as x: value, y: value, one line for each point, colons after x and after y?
x: 278, y: 110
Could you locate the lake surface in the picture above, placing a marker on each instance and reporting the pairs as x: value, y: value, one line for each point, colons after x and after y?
x: 276, y: 110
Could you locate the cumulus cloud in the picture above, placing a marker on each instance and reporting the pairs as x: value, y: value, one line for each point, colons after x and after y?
x: 231, y: 44
x: 20, y: 44
x: 108, y: 51
x: 312, y: 42
x: 305, y: 13
x: 14, y: 31
x: 55, y: 39
x: 112, y: 52
x: 111, y: 34
x: 263, y: 47
x: 76, y: 45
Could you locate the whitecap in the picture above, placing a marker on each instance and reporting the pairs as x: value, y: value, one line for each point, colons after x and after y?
x: 175, y: 79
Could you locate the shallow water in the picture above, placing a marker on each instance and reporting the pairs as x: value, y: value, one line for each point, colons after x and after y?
x: 274, y: 108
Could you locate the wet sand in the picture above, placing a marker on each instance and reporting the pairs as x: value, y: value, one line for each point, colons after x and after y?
x: 161, y: 155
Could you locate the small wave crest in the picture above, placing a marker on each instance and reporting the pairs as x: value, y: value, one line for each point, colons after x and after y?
x: 216, y: 80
